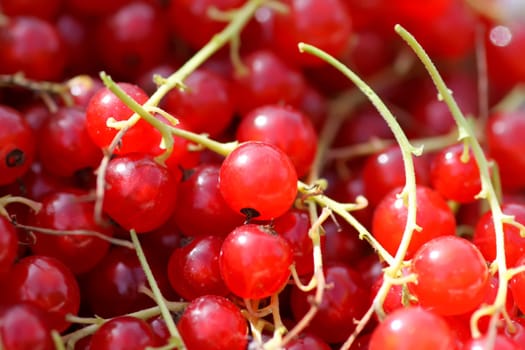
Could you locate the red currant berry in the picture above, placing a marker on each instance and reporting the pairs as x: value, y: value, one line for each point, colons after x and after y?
x: 284, y: 127
x: 140, y: 193
x: 8, y: 246
x: 294, y: 227
x: 485, y: 235
x: 344, y: 302
x: 258, y: 180
x: 206, y: 106
x: 193, y: 270
x: 123, y: 333
x: 17, y: 145
x: 506, y: 146
x: 63, y: 211
x: 412, y: 328
x: 141, y: 137
x: 24, y: 327
x: 48, y: 284
x: 268, y: 80
x: 384, y: 171
x: 517, y: 285
x: 322, y: 23
x: 214, y: 323
x: 122, y: 276
x: 501, y: 343
x: 454, y: 179
x: 255, y: 262
x: 201, y: 209
x: 307, y: 342
x: 455, y: 263
x: 132, y: 39
x: 32, y: 46
x: 433, y: 216
x: 191, y: 21
x: 47, y: 11
x: 65, y: 145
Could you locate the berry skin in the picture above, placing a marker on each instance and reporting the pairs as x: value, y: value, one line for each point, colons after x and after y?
x: 322, y: 23
x: 64, y: 211
x: 17, y: 145
x: 284, y: 127
x: 47, y: 283
x: 141, y: 137
x: 193, y: 270
x: 485, y: 235
x: 258, y: 180
x: 506, y: 146
x: 342, y: 303
x: 32, y: 46
x: 453, y: 178
x: 201, y: 209
x: 455, y: 263
x: 23, y: 327
x: 254, y: 262
x: 140, y: 193
x: 8, y: 246
x: 433, y: 216
x: 214, y: 323
x: 123, y: 333
x: 412, y: 328
x: 65, y: 145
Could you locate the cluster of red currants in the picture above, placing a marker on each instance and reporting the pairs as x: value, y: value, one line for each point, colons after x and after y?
x: 242, y: 164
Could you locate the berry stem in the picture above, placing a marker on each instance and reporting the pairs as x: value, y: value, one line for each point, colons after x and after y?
x: 170, y: 324
x: 8, y: 199
x: 407, y: 150
x: 71, y: 338
x: 488, y: 192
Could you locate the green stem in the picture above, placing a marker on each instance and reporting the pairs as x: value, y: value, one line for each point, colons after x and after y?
x: 407, y: 150
x: 166, y: 315
x: 468, y: 135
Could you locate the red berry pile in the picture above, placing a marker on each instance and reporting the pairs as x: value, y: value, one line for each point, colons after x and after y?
x: 262, y: 174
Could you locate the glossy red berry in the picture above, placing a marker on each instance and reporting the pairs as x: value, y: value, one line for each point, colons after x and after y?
x: 65, y: 145
x: 8, y: 245
x: 122, y: 276
x: 501, y: 343
x: 268, y: 80
x: 517, y: 285
x: 64, y: 211
x: 23, y: 327
x: 32, y: 46
x: 255, y: 262
x: 307, y: 342
x: 201, y: 209
x: 258, y: 180
x: 206, y: 106
x: 140, y: 193
x: 322, y: 23
x: 285, y: 127
x: 193, y: 270
x: 384, y: 171
x: 17, y: 145
x: 485, y: 235
x: 190, y: 19
x: 141, y: 137
x: 47, y: 283
x: 294, y: 226
x: 454, y: 179
x: 214, y: 323
x: 433, y: 216
x: 506, y: 146
x: 344, y: 302
x: 412, y: 328
x: 123, y: 333
x: 455, y: 263
x: 132, y: 39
